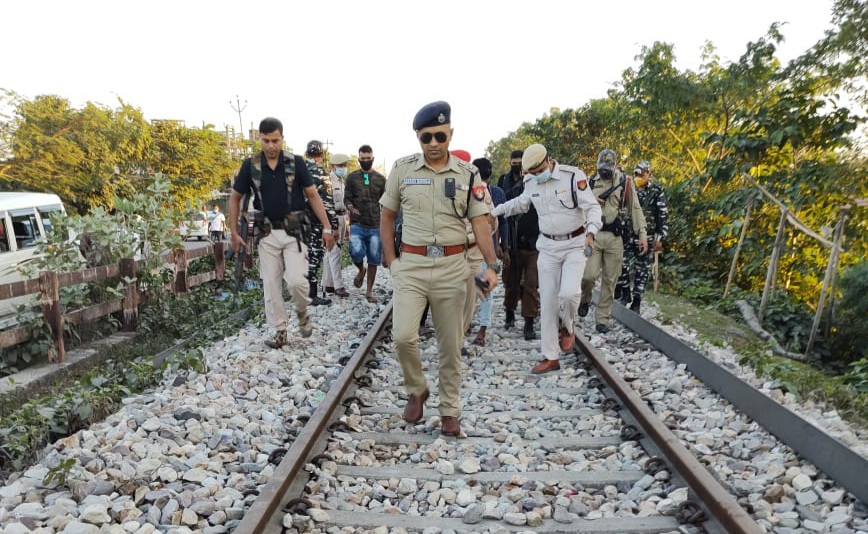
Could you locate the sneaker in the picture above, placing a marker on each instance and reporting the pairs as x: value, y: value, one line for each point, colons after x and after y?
x: 278, y: 341
x: 319, y: 301
x: 545, y: 366
x: 305, y: 327
x: 583, y: 309
x: 566, y: 339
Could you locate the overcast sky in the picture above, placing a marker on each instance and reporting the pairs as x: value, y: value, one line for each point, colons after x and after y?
x: 355, y: 72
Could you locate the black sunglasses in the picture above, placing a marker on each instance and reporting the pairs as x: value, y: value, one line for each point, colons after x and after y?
x: 426, y: 137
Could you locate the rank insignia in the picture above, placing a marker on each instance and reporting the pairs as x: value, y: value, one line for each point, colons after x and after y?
x: 479, y: 192
x: 582, y: 184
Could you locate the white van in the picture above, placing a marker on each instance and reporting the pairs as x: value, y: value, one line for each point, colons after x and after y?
x: 24, y: 220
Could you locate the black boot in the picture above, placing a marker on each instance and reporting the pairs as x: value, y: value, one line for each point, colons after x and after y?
x: 583, y: 308
x: 618, y: 292
x: 510, y: 319
x: 637, y: 301
x: 625, y: 296
x: 315, y: 299
x: 529, y: 334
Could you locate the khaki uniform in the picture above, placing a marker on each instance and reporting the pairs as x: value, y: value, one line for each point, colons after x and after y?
x: 608, y: 255
x: 433, y: 220
x: 331, y: 272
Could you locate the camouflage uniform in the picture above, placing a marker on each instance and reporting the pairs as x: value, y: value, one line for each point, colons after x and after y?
x: 656, y: 211
x: 316, y: 250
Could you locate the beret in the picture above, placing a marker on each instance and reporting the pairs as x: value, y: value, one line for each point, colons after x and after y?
x: 463, y: 155
x: 339, y: 159
x: 433, y: 114
x: 533, y: 156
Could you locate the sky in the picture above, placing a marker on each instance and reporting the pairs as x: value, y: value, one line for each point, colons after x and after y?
x: 356, y: 72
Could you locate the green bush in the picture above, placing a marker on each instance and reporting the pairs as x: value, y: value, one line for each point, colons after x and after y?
x: 850, y: 337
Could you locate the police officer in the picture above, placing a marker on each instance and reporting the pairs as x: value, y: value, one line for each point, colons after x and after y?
x: 569, y: 217
x: 316, y: 251
x: 616, y: 193
x: 656, y: 211
x: 279, y: 183
x: 332, y: 278
x: 432, y: 189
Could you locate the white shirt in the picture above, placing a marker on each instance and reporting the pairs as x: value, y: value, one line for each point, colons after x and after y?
x: 338, y: 190
x: 553, y: 200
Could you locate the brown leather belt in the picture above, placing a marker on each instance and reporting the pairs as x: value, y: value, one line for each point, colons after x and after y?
x: 432, y: 252
x: 563, y: 237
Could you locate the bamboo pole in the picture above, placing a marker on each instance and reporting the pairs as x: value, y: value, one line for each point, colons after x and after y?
x: 831, y: 269
x: 741, y: 236
x: 793, y: 219
x: 772, y: 273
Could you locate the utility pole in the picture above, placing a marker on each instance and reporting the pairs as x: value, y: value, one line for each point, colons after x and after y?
x: 238, y: 108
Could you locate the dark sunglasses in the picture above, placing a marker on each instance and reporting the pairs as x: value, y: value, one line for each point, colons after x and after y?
x: 426, y: 137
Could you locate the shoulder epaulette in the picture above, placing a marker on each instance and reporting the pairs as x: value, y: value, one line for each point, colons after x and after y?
x: 408, y: 159
x: 468, y: 166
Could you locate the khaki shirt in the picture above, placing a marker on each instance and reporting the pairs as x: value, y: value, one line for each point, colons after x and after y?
x: 429, y: 217
x: 338, y: 189
x: 632, y: 206
x: 473, y: 251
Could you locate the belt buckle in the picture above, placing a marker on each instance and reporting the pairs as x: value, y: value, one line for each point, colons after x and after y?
x: 435, y: 252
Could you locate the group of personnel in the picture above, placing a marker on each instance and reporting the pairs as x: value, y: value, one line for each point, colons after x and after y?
x: 554, y: 230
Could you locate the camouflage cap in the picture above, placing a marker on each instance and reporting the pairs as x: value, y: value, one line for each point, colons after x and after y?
x: 606, y: 160
x: 340, y: 159
x: 642, y: 167
x: 533, y: 156
x: 314, y: 149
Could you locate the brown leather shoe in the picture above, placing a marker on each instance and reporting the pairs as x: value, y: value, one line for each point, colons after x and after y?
x: 415, y: 407
x: 341, y: 292
x: 545, y: 366
x: 329, y: 289
x: 566, y: 339
x: 450, y: 426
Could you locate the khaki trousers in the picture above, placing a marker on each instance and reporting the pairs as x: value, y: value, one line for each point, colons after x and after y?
x: 474, y: 262
x: 279, y: 260
x: 608, y: 257
x: 417, y: 280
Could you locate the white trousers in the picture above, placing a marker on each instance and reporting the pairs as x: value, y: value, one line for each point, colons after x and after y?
x: 560, y: 265
x: 331, y: 269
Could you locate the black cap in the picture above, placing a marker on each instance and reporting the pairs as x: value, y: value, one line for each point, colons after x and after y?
x: 433, y: 114
x: 314, y: 149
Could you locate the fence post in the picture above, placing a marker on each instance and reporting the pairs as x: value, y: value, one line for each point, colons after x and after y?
x: 738, y: 247
x: 131, y: 294
x: 180, y: 257
x: 772, y: 273
x: 831, y: 269
x: 219, y: 261
x: 50, y: 294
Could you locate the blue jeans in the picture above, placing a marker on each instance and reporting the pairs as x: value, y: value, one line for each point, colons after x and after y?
x: 365, y: 242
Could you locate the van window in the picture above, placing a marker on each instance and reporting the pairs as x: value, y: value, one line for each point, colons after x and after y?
x: 26, y: 229
x: 45, y: 213
x: 4, y: 239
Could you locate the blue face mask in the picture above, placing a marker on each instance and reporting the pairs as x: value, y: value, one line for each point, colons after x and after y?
x: 340, y: 171
x: 544, y: 176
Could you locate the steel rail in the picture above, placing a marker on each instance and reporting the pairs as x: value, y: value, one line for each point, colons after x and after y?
x: 842, y: 464
x: 262, y: 511
x: 720, y: 502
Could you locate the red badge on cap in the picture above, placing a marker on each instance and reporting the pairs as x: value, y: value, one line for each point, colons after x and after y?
x: 479, y: 192
x: 582, y: 184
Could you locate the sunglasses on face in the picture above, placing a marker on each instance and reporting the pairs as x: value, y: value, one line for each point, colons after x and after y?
x: 426, y: 137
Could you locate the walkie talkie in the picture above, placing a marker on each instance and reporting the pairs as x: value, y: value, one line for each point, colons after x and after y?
x: 450, y: 188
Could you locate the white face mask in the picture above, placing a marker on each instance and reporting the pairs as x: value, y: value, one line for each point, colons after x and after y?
x: 340, y: 171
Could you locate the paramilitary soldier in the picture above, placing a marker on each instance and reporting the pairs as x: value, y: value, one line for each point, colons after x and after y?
x: 653, y: 202
x: 433, y: 191
x: 316, y: 252
x: 279, y: 182
x: 569, y: 217
x: 616, y: 193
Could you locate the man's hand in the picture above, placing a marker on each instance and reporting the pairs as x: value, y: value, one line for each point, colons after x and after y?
x: 491, y: 277
x: 657, y: 246
x: 353, y: 210
x: 643, y: 247
x: 236, y: 241
x: 328, y: 240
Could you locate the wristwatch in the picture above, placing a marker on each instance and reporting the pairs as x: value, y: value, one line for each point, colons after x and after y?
x: 494, y: 267
x: 328, y: 231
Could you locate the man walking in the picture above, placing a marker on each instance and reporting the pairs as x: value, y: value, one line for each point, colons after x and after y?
x: 364, y: 188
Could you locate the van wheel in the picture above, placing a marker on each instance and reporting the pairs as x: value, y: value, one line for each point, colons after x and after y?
x: 199, y: 238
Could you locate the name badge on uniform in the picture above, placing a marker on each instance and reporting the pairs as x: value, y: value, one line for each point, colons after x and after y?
x: 417, y: 181
x: 461, y: 187
x: 534, y: 194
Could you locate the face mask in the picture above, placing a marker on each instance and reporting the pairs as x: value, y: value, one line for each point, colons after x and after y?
x: 366, y: 165
x: 340, y: 172
x: 640, y: 182
x: 544, y: 176
x: 516, y: 169
x: 605, y: 174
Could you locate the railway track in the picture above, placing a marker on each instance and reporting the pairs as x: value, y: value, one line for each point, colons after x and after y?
x: 570, y: 451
